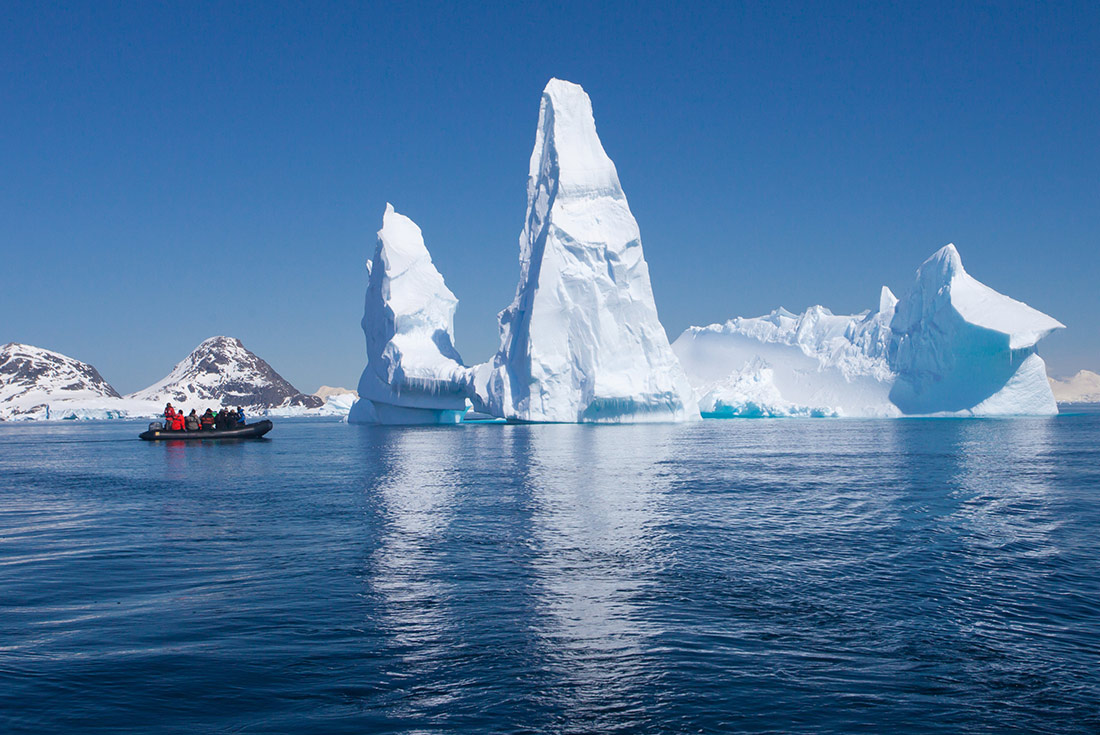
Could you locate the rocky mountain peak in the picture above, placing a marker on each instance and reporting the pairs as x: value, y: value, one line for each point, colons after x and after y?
x: 31, y: 376
x: 222, y: 370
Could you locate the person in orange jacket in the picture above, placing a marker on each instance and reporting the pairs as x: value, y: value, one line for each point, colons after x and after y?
x: 177, y: 421
x: 169, y: 413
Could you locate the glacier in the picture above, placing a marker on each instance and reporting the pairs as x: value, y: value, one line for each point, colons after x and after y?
x: 952, y: 346
x: 414, y: 374
x: 581, y: 340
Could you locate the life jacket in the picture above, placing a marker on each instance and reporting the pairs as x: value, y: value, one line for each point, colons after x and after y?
x: 169, y: 412
x: 177, y: 422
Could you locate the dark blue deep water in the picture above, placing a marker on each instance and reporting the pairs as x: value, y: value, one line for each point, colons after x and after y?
x: 926, y: 576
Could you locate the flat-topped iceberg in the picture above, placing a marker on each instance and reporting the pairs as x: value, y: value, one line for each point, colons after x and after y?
x: 414, y: 375
x: 581, y: 341
x: 952, y: 346
x: 812, y: 364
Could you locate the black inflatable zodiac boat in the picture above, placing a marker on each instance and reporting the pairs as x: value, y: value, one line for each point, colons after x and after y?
x: 248, y: 431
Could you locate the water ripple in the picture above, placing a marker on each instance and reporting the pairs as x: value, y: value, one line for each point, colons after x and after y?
x: 749, y: 576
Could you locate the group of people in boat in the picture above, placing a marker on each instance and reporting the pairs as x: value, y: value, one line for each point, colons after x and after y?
x: 209, y: 421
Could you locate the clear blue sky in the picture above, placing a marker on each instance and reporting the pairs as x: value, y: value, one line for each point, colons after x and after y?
x: 175, y: 171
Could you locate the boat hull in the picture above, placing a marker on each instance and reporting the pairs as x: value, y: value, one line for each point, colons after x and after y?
x: 248, y: 431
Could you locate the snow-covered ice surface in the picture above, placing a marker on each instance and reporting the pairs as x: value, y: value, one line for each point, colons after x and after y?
x: 959, y: 347
x: 952, y: 346
x: 752, y: 393
x: 414, y: 375
x: 581, y: 341
x: 811, y: 364
x: 327, y: 390
x: 222, y: 372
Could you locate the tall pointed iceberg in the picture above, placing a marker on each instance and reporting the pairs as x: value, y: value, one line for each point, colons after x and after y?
x: 581, y: 341
x: 414, y: 375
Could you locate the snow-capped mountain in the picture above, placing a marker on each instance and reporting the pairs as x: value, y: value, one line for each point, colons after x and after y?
x: 221, y: 371
x: 1084, y: 387
x: 31, y: 379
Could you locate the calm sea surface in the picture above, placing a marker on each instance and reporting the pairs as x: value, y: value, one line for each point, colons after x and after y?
x: 931, y: 576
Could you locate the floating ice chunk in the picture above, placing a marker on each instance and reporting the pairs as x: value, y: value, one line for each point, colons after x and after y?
x: 813, y: 364
x: 952, y: 346
x: 581, y: 341
x: 961, y: 347
x: 414, y: 375
x: 752, y: 393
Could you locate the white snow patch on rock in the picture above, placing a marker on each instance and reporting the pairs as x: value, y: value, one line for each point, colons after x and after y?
x: 222, y: 372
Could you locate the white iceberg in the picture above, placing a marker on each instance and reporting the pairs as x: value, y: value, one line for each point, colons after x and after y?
x: 959, y: 347
x: 953, y: 346
x: 751, y: 393
x: 414, y: 375
x: 812, y: 364
x: 581, y: 341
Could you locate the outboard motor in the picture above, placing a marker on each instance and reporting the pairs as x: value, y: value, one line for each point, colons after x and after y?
x: 156, y: 426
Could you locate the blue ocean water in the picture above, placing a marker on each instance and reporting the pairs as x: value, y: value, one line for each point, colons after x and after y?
x: 824, y: 576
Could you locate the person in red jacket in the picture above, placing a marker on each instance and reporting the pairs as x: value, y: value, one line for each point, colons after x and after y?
x: 169, y: 413
x: 177, y: 421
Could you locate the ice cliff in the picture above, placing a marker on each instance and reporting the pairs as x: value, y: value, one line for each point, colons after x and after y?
x: 581, y: 341
x: 960, y: 347
x: 812, y: 364
x: 952, y: 346
x: 413, y: 374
